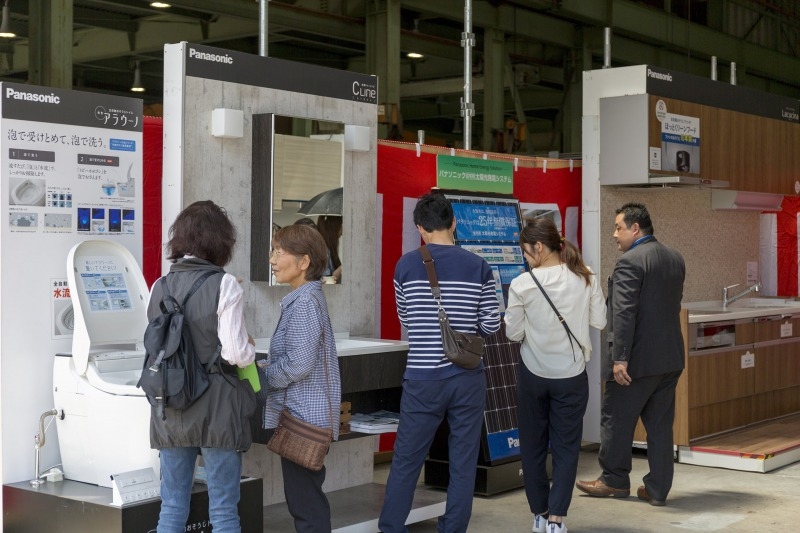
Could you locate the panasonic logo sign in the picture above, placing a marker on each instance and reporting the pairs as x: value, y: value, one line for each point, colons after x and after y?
x: 791, y: 115
x: 32, y: 97
x: 216, y: 58
x: 659, y: 75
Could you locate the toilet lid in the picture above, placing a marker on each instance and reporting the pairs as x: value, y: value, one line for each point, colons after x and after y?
x: 109, y: 296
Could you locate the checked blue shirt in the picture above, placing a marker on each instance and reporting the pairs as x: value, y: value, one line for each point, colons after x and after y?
x: 296, y: 366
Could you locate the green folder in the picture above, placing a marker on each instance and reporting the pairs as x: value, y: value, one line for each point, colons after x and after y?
x: 250, y: 373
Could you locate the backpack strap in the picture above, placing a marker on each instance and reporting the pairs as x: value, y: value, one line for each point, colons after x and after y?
x: 169, y: 299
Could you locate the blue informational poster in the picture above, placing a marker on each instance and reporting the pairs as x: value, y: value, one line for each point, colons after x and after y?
x: 486, y: 222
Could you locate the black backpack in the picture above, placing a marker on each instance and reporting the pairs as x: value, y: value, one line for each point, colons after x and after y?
x: 172, y: 375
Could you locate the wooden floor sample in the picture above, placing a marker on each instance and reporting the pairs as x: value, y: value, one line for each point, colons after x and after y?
x: 769, y: 438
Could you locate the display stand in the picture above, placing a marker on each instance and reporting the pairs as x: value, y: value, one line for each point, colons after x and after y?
x: 489, y: 479
x: 356, y: 509
x: 75, y: 507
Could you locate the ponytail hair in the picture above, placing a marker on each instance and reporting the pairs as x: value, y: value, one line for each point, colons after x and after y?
x: 544, y: 230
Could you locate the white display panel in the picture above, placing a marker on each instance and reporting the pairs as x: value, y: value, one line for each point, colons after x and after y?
x: 71, y: 171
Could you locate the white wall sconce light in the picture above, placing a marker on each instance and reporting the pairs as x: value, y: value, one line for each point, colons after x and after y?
x: 356, y: 138
x: 227, y: 123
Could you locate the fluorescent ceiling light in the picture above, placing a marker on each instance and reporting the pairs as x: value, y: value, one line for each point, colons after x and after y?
x: 414, y: 55
x: 159, y: 4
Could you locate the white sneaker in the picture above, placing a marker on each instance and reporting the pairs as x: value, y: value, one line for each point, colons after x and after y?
x: 539, y: 524
x: 553, y: 527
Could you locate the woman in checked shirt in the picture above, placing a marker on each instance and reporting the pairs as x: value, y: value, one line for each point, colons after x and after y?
x: 296, y: 373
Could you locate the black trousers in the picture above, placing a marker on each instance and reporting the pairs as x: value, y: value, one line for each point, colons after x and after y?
x: 307, y: 504
x: 652, y: 398
x: 550, y: 413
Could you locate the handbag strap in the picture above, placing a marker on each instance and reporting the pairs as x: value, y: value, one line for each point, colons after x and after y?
x: 570, y: 335
x: 324, y: 362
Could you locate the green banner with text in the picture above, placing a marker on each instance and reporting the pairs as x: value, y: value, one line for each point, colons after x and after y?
x: 479, y: 175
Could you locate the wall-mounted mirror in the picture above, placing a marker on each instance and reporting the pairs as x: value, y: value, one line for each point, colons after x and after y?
x: 298, y: 169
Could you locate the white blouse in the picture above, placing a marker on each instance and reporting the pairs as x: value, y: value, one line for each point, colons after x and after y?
x: 546, y: 349
x: 231, y: 328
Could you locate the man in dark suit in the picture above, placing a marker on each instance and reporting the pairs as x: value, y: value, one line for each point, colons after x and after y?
x: 644, y: 360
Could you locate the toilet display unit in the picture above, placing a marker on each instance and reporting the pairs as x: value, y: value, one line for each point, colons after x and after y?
x: 104, y: 423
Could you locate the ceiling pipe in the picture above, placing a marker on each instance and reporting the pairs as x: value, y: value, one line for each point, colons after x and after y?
x: 263, y: 27
x: 606, y: 47
x: 467, y: 107
x: 714, y: 68
x: 733, y: 73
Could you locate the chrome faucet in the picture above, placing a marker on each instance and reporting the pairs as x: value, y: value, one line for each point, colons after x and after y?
x: 725, y: 300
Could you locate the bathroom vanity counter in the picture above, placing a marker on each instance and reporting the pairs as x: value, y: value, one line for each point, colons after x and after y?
x: 347, y: 346
x: 747, y: 308
x: 737, y: 402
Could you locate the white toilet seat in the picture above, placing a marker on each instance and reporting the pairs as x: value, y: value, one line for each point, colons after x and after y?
x: 28, y: 192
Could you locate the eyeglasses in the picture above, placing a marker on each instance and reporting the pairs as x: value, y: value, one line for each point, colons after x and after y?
x: 277, y: 253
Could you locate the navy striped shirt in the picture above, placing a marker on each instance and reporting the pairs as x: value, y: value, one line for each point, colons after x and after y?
x: 468, y: 297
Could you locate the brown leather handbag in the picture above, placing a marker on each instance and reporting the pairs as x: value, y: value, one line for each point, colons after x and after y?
x: 301, y: 442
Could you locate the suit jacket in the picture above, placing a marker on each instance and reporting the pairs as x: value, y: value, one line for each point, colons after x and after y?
x: 644, y: 302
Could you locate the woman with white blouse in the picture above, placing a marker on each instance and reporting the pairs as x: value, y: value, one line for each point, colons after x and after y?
x: 552, y: 386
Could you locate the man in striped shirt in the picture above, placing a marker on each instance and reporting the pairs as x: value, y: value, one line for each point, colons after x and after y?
x: 434, y: 389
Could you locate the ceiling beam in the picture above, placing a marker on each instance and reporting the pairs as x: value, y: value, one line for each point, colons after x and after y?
x: 508, y: 19
x: 103, y: 19
x: 660, y: 28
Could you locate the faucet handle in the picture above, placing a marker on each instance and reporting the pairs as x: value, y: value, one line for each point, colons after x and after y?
x: 731, y: 286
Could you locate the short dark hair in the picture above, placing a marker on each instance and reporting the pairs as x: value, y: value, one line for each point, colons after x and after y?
x: 301, y: 240
x: 633, y: 213
x: 203, y: 230
x: 433, y: 212
x: 305, y: 221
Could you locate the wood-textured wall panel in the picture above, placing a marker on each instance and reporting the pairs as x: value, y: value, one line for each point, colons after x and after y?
x: 751, y: 152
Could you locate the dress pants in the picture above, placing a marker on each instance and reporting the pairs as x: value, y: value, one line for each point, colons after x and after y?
x: 652, y: 398
x: 305, y: 499
x: 550, y: 415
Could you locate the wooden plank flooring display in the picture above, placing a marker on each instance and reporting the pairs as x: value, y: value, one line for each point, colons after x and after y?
x: 759, y: 448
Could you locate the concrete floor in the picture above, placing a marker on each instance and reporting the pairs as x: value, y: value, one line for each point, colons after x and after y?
x: 702, y: 499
